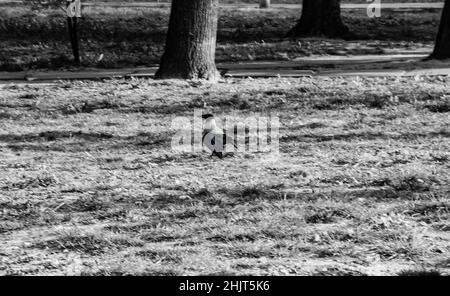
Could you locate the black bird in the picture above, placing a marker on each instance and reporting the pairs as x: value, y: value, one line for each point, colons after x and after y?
x: 215, y: 138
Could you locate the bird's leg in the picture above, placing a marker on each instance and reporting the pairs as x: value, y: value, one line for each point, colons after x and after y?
x: 218, y: 154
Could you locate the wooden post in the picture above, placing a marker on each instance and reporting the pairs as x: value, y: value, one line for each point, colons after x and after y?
x: 74, y: 12
x: 76, y: 51
x: 264, y: 3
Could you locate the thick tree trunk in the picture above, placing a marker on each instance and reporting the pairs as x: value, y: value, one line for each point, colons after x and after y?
x: 264, y: 3
x: 320, y: 18
x: 442, y: 47
x: 191, y: 41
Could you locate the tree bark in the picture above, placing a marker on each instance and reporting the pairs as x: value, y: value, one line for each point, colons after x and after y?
x: 264, y: 3
x: 320, y: 18
x: 191, y: 41
x: 442, y: 47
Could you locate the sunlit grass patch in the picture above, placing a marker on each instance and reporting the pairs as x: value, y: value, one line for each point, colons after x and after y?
x: 91, y: 243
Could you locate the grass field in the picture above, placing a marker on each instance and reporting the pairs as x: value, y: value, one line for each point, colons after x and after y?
x: 89, y: 183
x: 114, y: 38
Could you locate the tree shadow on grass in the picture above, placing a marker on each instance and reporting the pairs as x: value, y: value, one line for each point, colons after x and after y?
x: 77, y: 141
x: 370, y: 136
x: 240, y: 194
x: 419, y: 273
x: 50, y: 136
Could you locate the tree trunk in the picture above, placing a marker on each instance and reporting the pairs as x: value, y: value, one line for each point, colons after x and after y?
x: 264, y: 3
x: 320, y: 18
x: 442, y: 47
x: 191, y: 41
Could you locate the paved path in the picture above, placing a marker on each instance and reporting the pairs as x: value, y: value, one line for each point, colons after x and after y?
x: 242, y: 73
x: 274, y: 6
x: 338, y: 73
x: 309, y: 66
x: 324, y: 60
x: 435, y: 5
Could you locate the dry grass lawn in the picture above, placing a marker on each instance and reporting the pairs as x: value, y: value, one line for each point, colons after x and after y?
x: 89, y: 183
